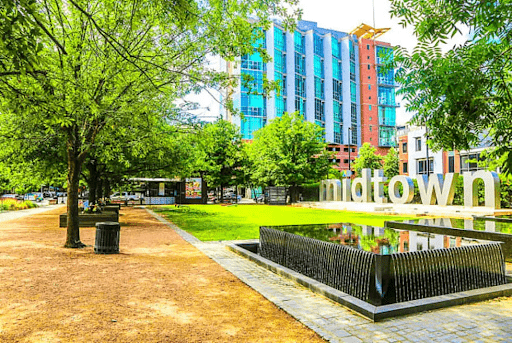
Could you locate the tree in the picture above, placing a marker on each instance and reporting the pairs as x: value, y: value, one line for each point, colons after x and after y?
x: 289, y: 151
x: 223, y: 159
x: 141, y: 149
x: 465, y: 93
x: 21, y: 26
x: 106, y: 64
x: 391, y: 164
x: 367, y: 159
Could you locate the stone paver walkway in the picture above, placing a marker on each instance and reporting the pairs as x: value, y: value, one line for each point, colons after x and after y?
x: 489, y: 321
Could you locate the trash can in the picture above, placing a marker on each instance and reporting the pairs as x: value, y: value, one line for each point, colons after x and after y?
x: 107, y: 238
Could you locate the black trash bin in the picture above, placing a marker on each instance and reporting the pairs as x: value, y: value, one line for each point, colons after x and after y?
x: 107, y: 238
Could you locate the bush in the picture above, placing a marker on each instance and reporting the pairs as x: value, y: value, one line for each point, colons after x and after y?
x: 311, y: 192
x: 13, y: 205
x: 30, y: 204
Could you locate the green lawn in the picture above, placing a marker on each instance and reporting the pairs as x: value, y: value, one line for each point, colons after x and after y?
x: 216, y: 222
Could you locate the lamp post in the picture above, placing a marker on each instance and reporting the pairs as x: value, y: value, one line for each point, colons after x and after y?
x: 349, y: 148
x: 426, y: 145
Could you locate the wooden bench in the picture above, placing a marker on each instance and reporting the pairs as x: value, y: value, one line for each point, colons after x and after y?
x: 90, y: 219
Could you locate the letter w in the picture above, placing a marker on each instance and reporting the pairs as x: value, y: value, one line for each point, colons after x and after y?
x: 436, y: 189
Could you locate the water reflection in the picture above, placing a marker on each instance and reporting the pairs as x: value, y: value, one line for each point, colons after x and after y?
x: 380, y: 240
x: 478, y: 223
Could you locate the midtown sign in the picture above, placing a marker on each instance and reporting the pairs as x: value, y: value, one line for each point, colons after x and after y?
x: 433, y: 189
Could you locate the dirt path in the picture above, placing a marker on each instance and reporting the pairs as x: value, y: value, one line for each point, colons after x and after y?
x: 159, y: 289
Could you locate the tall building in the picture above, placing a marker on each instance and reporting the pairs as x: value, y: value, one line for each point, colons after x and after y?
x: 334, y: 79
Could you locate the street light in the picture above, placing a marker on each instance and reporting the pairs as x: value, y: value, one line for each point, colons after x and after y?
x: 349, y: 148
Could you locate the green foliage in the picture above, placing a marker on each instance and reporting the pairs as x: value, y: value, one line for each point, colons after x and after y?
x: 222, y: 154
x: 21, y: 26
x: 367, y: 159
x: 391, y: 164
x: 289, y: 152
x: 334, y: 174
x: 466, y: 93
x: 105, y: 69
x: 311, y: 192
x: 14, y: 205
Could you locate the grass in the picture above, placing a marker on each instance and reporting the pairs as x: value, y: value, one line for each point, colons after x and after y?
x: 216, y: 222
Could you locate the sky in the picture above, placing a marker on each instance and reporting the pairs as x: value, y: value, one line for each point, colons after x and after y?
x: 344, y: 16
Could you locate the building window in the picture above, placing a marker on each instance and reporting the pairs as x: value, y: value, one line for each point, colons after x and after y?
x: 368, y: 67
x: 451, y: 164
x: 422, y: 166
x: 404, y: 147
x: 369, y: 77
x: 369, y: 109
x: 319, y: 110
x: 369, y: 87
x: 367, y: 46
x: 469, y: 162
x: 418, y: 144
x: 371, y: 128
x: 367, y: 57
x: 405, y: 168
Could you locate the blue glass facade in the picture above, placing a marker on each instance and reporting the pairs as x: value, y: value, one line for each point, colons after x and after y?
x: 300, y: 72
x: 318, y: 75
x: 318, y: 71
x: 386, y: 97
x: 252, y: 101
x: 280, y: 70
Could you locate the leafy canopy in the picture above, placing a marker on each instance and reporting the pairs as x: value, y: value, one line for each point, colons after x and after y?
x: 391, y: 163
x: 367, y: 158
x: 222, y: 154
x: 105, y: 66
x: 289, y: 151
x: 466, y: 93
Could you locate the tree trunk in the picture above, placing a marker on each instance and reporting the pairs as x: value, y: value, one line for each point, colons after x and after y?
x: 92, y: 182
x: 99, y: 189
x: 107, y: 188
x: 73, y: 230
x: 294, y: 194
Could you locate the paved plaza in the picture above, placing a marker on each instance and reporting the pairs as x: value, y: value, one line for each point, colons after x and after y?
x: 489, y: 321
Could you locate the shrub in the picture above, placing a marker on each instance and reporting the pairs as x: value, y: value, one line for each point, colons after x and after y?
x: 8, y: 204
x: 30, y: 204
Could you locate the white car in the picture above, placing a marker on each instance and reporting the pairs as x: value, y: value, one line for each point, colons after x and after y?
x: 125, y: 196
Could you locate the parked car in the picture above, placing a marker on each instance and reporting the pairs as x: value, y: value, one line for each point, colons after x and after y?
x: 50, y: 195
x: 11, y: 196
x: 232, y: 197
x: 260, y: 198
x: 212, y: 198
x: 33, y: 197
x: 125, y: 196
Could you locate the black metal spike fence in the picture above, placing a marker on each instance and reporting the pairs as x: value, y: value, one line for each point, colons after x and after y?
x: 429, y: 273
x: 341, y: 267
